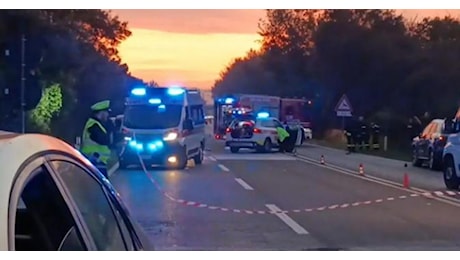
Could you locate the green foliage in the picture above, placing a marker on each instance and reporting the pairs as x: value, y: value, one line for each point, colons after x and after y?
x: 49, y: 107
x: 390, y: 68
x: 75, y: 49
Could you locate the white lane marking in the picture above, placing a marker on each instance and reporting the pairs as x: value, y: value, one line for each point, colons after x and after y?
x: 211, y: 158
x: 415, y: 191
x: 287, y: 220
x: 223, y: 168
x: 244, y: 184
x: 113, y: 169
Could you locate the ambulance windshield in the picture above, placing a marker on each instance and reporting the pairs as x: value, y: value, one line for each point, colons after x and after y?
x: 152, y: 117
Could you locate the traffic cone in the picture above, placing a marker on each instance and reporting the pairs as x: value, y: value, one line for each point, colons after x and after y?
x: 406, y: 181
x: 361, y: 169
x: 322, y: 159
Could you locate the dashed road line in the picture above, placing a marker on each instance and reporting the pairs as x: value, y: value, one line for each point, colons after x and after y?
x: 244, y: 184
x: 287, y: 220
x: 276, y: 211
x: 223, y: 168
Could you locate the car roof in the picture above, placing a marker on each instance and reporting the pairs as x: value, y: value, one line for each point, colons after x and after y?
x: 266, y: 118
x: 14, y: 150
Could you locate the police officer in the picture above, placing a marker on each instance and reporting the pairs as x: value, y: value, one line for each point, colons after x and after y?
x: 96, y: 137
x: 375, y: 136
x: 364, y: 135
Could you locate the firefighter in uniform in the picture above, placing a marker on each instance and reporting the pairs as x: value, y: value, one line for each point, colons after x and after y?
x: 363, y: 139
x: 351, y: 135
x: 375, y: 136
x: 96, y: 138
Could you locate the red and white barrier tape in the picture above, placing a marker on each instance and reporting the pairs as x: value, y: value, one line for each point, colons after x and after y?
x: 429, y: 195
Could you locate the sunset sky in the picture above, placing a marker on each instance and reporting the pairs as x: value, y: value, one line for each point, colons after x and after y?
x: 191, y: 47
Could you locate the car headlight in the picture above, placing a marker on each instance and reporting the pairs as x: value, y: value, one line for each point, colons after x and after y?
x: 170, y: 136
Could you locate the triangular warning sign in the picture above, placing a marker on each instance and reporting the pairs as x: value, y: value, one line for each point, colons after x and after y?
x: 344, y: 104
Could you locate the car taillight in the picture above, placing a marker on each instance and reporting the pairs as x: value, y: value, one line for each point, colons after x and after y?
x: 257, y: 131
x: 228, y: 130
x: 442, y: 140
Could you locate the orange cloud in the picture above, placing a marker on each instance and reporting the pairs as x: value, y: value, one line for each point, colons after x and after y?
x: 191, y: 47
x: 181, y: 58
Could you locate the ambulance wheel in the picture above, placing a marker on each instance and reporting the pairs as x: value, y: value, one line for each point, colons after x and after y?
x: 182, y: 160
x: 234, y: 149
x: 198, y: 159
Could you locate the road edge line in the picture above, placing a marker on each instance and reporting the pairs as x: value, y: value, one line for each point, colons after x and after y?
x: 384, y: 182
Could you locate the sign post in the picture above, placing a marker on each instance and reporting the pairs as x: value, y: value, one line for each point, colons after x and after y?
x: 343, y: 109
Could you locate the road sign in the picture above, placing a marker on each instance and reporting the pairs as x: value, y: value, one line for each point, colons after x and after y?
x: 344, y: 105
x: 344, y: 113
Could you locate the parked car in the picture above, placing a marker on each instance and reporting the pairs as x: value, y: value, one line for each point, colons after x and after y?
x: 53, y: 199
x: 427, y: 148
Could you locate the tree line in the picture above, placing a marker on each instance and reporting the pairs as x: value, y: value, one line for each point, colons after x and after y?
x: 391, y: 68
x: 71, y: 61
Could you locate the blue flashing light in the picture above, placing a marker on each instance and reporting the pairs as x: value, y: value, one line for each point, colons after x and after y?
x: 137, y: 146
x: 155, y: 101
x: 240, y: 112
x: 174, y: 91
x: 156, y: 145
x: 162, y: 107
x: 229, y: 100
x: 263, y: 115
x: 138, y: 91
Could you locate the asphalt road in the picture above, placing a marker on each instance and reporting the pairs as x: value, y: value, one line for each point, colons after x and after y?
x: 228, y: 203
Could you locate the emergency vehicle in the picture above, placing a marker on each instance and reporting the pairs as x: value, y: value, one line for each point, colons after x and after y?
x: 225, y: 113
x: 296, y: 110
x: 253, y: 132
x: 163, y: 126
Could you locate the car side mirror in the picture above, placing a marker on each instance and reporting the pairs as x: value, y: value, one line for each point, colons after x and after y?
x: 188, y: 124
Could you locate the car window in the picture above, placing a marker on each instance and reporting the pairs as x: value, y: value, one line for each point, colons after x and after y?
x: 43, y: 220
x: 94, y: 206
x: 277, y: 123
x: 267, y: 123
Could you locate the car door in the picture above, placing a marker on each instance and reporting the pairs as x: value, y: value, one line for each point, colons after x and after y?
x: 40, y: 216
x: 104, y: 219
x: 425, y: 140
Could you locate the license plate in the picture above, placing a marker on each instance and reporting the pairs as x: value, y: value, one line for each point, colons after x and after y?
x: 145, y: 156
x: 239, y: 144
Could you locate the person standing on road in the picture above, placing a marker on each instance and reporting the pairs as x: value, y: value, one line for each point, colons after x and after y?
x: 96, y: 137
x: 283, y: 136
x: 363, y: 139
x: 375, y: 136
x: 350, y: 132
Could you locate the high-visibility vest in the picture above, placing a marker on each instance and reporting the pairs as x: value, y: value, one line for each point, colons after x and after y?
x: 89, y: 147
x: 282, y: 133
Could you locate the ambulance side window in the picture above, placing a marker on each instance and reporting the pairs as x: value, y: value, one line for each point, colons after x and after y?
x: 197, y: 114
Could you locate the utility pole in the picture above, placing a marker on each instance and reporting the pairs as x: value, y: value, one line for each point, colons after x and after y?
x: 23, y: 83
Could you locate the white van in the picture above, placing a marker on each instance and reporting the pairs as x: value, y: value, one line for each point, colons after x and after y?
x: 163, y: 126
